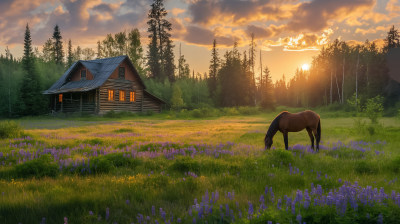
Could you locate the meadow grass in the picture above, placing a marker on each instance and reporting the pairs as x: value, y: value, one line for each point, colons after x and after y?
x: 124, y: 169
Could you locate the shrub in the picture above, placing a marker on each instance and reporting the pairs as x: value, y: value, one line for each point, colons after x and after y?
x: 230, y: 111
x: 10, y: 129
x: 43, y: 166
x: 118, y: 159
x: 101, y: 165
x: 374, y: 108
x: 363, y: 167
x: 394, y: 165
x: 185, y: 164
x: 248, y: 110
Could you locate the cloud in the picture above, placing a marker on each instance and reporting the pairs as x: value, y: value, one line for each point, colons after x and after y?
x: 208, y: 12
x: 81, y: 20
x: 301, y: 42
x: 372, y: 30
x: 316, y: 15
x: 260, y: 32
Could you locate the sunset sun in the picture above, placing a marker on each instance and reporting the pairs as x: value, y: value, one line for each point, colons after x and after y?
x: 305, y: 67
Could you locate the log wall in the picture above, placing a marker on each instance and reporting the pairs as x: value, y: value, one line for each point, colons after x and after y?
x: 116, y: 104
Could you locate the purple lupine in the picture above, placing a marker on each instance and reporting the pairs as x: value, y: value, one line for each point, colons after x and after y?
x: 65, y: 220
x: 298, y: 218
x: 251, y: 211
x: 107, y: 213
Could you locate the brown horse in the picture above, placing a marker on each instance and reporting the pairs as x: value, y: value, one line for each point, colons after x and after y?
x: 287, y: 122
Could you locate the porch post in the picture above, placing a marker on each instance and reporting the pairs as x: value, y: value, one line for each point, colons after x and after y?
x: 80, y: 104
x: 62, y: 105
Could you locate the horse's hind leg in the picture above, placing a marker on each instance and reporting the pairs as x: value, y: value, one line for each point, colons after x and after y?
x: 317, y: 139
x: 311, y: 137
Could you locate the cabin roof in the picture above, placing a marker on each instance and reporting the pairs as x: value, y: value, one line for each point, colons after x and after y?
x: 101, y: 70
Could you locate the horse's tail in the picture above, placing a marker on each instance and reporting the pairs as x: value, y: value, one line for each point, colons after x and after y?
x: 319, y: 131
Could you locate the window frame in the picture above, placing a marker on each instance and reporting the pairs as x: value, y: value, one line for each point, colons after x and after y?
x: 121, y: 70
x: 111, y: 95
x: 120, y: 97
x: 132, y: 96
x: 83, y: 71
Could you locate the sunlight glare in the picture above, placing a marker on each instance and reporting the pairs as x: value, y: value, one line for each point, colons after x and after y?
x: 305, y: 67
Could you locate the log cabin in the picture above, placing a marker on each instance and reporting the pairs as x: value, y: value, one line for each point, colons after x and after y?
x: 101, y: 85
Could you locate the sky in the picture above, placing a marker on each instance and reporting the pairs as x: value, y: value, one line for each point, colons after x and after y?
x: 287, y: 32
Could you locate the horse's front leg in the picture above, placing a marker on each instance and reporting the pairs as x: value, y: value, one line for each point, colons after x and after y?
x: 285, y: 138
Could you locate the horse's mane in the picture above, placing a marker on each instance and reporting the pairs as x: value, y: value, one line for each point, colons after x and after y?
x: 273, y: 128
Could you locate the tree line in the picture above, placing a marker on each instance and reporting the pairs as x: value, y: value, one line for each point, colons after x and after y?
x: 341, y: 74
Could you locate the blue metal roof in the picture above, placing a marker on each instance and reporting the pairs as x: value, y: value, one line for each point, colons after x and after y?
x: 101, y: 70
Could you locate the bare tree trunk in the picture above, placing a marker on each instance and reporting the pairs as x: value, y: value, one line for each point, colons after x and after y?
x: 261, y: 79
x: 344, y: 62
x: 358, y: 61
x: 331, y: 89
x: 337, y: 85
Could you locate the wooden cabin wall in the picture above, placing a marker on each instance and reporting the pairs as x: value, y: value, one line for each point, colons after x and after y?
x: 149, y: 104
x: 116, y: 105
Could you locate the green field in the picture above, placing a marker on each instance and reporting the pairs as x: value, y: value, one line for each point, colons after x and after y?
x: 152, y: 169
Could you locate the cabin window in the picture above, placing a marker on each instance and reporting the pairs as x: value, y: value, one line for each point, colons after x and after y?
x: 121, y: 95
x: 132, y: 96
x: 110, y: 95
x: 60, y: 98
x: 121, y: 73
x: 83, y: 74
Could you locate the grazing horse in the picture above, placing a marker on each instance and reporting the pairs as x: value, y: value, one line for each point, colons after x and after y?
x: 287, y: 122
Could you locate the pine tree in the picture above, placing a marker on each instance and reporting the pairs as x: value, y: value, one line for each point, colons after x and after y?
x: 99, y: 50
x: 70, y: 57
x: 47, y: 51
x: 393, y: 39
x: 169, y: 66
x: 58, y: 46
x: 213, y: 70
x: 31, y: 98
x: 135, y: 50
x: 160, y: 55
x: 268, y: 99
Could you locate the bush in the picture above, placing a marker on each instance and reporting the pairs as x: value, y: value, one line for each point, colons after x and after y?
x: 43, y: 166
x: 185, y: 164
x: 248, y: 110
x: 374, y: 108
x: 230, y: 111
x: 101, y: 165
x: 204, y: 112
x: 394, y: 165
x: 363, y: 167
x: 10, y: 129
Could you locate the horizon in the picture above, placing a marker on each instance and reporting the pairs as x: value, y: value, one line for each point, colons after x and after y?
x: 289, y: 33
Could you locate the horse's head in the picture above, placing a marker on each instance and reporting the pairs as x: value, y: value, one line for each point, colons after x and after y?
x: 268, y: 142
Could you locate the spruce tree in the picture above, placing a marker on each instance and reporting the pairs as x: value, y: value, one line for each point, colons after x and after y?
x: 267, y: 90
x: 160, y: 54
x: 31, y: 98
x: 135, y: 50
x: 393, y: 39
x: 214, y: 66
x: 70, y: 57
x: 58, y: 46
